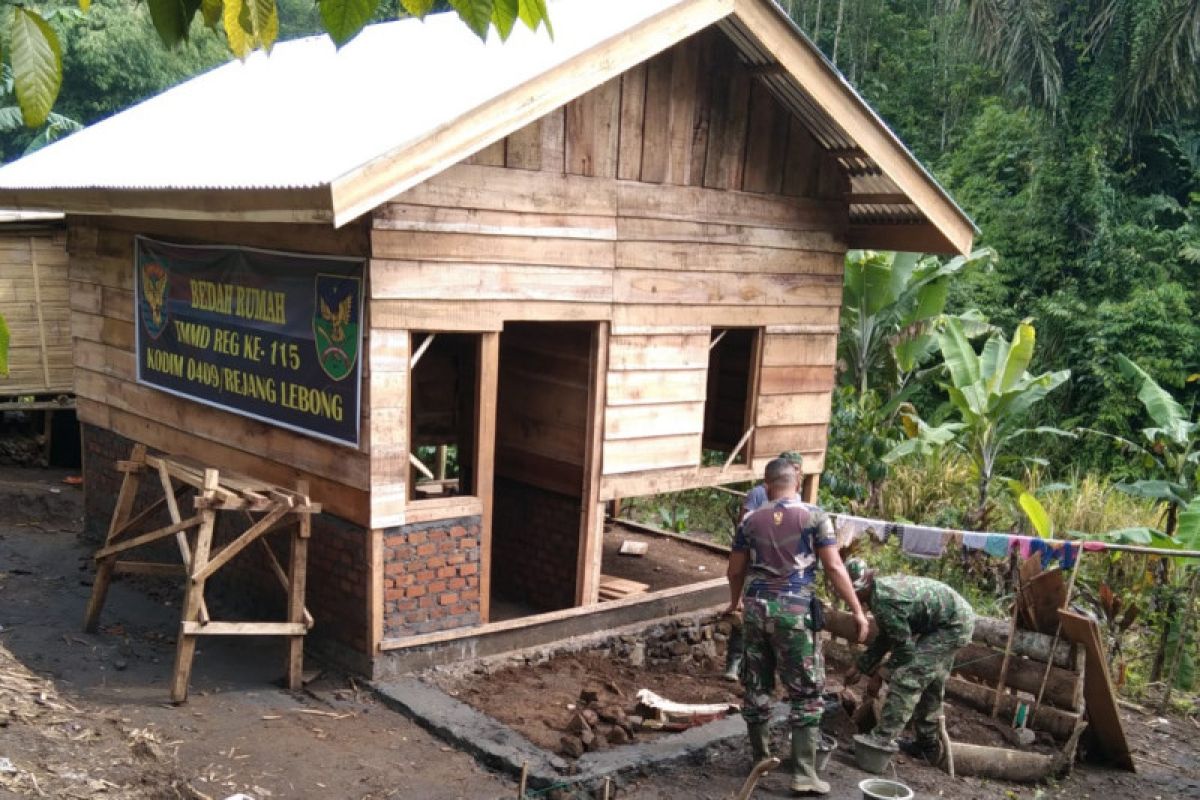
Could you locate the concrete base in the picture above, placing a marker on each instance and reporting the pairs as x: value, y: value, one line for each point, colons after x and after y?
x: 501, y: 748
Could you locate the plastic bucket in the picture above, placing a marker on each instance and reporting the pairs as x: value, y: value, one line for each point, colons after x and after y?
x: 825, y: 748
x: 871, y: 757
x: 879, y: 789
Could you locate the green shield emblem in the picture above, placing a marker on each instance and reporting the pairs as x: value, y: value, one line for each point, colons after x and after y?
x: 336, y: 319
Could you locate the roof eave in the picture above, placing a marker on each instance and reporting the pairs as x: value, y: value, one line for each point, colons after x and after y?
x: 301, y: 205
x: 778, y: 34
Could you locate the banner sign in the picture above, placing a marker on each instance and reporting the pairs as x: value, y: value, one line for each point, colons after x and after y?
x: 269, y: 335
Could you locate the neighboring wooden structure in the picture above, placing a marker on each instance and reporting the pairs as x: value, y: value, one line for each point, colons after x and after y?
x: 34, y: 303
x: 619, y: 273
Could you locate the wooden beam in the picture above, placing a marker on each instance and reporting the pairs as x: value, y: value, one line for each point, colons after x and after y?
x: 880, y: 199
x: 237, y: 545
x: 146, y: 538
x: 906, y: 237
x: 486, y: 395
x: 591, y: 520
x: 185, y: 647
x: 232, y: 205
x: 412, y: 362
x: 297, y: 579
x: 244, y: 629
x: 148, y: 568
x: 830, y: 93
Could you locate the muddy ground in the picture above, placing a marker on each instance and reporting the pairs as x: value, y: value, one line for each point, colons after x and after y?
x: 668, y: 561
x: 85, y: 716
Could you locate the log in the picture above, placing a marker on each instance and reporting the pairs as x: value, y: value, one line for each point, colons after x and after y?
x: 1064, y: 689
x: 1056, y: 722
x: 1012, y: 765
x: 993, y: 632
x: 1036, y: 646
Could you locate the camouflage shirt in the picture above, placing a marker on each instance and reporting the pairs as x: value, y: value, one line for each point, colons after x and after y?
x: 782, y: 539
x: 906, y: 607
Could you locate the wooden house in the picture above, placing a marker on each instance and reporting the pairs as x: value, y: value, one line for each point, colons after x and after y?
x: 602, y: 265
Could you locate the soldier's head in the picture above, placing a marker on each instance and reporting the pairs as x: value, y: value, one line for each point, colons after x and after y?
x: 862, y: 578
x: 780, y: 478
x: 795, y: 457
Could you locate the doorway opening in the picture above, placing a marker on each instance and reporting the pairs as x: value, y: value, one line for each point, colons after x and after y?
x: 733, y: 355
x: 543, y: 409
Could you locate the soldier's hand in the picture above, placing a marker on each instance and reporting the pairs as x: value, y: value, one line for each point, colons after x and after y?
x: 864, y: 627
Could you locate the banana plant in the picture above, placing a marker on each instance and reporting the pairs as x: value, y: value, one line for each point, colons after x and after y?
x: 991, y: 393
x: 1171, y: 450
x: 889, y: 301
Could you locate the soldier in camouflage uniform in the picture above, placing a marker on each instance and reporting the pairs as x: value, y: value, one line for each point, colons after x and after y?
x: 923, y: 623
x: 774, y: 559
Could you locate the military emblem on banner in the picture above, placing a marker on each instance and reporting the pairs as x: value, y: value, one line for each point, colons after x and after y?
x: 335, y: 324
x: 155, y: 284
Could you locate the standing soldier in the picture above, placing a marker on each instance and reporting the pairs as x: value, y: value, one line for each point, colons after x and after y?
x: 923, y: 623
x: 774, y: 558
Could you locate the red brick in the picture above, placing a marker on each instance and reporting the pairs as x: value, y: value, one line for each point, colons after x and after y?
x: 447, y: 572
x: 468, y: 544
x: 437, y: 586
x: 427, y: 549
x: 417, y: 537
x: 436, y: 562
x: 394, y: 568
x: 457, y: 558
x: 393, y: 594
x: 456, y: 583
x: 448, y: 599
x: 470, y: 594
x: 415, y: 591
x: 438, y: 535
x: 468, y: 569
x: 427, y: 601
x: 425, y: 576
x: 458, y: 531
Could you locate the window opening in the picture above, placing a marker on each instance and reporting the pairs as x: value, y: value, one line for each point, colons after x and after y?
x: 444, y: 377
x: 728, y: 417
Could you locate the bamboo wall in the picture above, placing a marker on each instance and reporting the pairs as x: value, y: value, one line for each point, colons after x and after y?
x: 33, y: 301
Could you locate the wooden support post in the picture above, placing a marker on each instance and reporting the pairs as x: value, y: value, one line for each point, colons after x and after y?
x: 486, y: 400
x: 591, y: 511
x: 812, y: 488
x: 281, y: 576
x: 440, y: 471
x: 297, y: 572
x: 1037, y: 703
x: 121, y: 513
x: 741, y: 443
x: 185, y: 551
x: 1008, y: 647
x: 185, y: 649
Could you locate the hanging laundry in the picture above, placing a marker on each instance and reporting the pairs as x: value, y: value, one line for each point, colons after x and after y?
x: 974, y: 541
x: 997, y: 545
x: 1094, y: 547
x: 922, y: 542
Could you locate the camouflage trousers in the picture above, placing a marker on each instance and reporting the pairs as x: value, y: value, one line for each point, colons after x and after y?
x: 777, y: 638
x: 916, y: 689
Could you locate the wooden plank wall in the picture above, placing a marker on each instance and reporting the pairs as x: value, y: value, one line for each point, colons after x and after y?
x: 108, y: 395
x: 678, y: 197
x: 34, y: 302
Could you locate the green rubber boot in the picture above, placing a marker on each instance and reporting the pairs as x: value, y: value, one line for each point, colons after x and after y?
x: 760, y: 741
x: 804, y: 761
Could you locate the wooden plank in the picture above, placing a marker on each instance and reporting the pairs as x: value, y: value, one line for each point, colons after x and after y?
x: 795, y: 380
x: 794, y: 409
x: 126, y: 496
x: 485, y: 459
x: 1104, y: 717
x: 912, y: 238
x: 637, y: 318
x: 725, y: 288
x: 658, y: 481
x: 770, y: 441
x: 375, y: 595
x: 474, y: 248
x: 592, y: 128
x: 448, y: 508
x: 296, y: 613
x: 766, y: 142
x: 421, y: 280
x: 633, y: 109
x: 591, y: 522
x: 706, y: 44
x: 244, y: 540
x: 490, y: 156
x: 781, y: 350
x: 554, y: 147
x: 715, y: 257
x: 103, y: 329
x: 185, y: 649
x: 244, y: 629
x: 147, y: 538
x: 524, y: 147
x: 652, y: 352
x: 634, y: 388
x: 161, y: 569
x: 681, y: 113
x: 479, y: 315
x: 499, y: 189
x: 550, y: 224
x: 638, y: 422
x: 730, y: 114
x: 636, y: 455
x: 801, y: 161
x: 655, y: 128
x: 662, y: 230
x: 726, y: 207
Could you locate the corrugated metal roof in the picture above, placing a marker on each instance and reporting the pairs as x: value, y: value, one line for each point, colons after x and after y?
x: 309, y: 113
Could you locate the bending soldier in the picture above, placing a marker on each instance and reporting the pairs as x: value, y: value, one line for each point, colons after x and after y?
x: 774, y: 558
x: 923, y: 623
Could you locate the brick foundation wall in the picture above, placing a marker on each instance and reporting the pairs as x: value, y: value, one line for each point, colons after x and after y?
x: 535, y: 545
x: 431, y: 577
x: 246, y: 587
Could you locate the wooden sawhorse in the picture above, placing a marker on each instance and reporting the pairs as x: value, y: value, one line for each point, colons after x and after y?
x: 215, y: 491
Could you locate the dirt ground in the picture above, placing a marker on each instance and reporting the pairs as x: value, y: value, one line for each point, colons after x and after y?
x: 85, y: 716
x: 668, y: 562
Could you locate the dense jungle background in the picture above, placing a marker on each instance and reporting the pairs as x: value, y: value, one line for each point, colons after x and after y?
x: 1046, y: 384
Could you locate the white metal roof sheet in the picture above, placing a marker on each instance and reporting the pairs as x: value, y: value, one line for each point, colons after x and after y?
x: 309, y: 113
